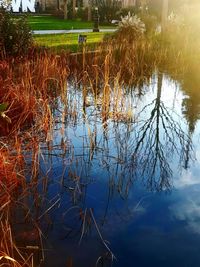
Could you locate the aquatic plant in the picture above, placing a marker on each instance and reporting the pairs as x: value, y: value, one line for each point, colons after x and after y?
x: 12, y: 181
x: 10, y: 255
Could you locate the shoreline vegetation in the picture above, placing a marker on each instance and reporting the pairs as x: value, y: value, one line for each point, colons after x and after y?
x: 32, y: 78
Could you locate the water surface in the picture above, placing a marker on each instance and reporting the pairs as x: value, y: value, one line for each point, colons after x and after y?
x: 125, y: 190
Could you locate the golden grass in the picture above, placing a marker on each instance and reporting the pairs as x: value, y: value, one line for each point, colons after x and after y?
x: 28, y: 87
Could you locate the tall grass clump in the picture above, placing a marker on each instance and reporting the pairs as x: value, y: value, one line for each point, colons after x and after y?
x: 12, y: 181
x: 30, y: 82
x: 124, y: 61
x: 131, y: 56
x: 29, y: 85
x: 133, y: 53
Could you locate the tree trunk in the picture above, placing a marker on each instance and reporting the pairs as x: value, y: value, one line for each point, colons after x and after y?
x: 65, y: 8
x: 89, y: 10
x: 74, y: 8
x: 58, y: 4
x: 43, y: 6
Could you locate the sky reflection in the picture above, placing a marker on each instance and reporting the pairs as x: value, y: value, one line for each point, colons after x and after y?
x: 139, y: 178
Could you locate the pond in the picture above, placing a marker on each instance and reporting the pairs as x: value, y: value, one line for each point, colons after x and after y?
x: 122, y: 190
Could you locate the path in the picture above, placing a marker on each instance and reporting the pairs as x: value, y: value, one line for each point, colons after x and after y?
x: 70, y: 31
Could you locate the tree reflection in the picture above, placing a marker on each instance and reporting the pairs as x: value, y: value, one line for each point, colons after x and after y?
x: 191, y: 104
x: 158, y: 139
x: 126, y: 150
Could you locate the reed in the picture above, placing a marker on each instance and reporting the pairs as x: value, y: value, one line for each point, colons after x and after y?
x: 11, y: 183
x: 29, y: 87
x: 10, y: 255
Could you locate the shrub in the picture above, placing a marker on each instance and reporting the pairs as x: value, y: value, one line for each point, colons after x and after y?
x: 15, y: 34
x: 130, y: 28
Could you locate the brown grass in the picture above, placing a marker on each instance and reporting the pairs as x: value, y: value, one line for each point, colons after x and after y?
x: 28, y: 86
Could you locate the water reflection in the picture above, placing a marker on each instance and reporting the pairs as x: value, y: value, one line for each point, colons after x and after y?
x: 187, y: 208
x: 159, y: 137
x: 191, y: 102
x: 100, y: 175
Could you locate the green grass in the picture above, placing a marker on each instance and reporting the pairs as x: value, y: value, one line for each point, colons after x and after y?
x: 67, y: 41
x: 48, y: 22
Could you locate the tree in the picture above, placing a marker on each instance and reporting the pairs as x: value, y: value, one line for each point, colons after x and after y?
x: 74, y: 8
x: 89, y: 10
x: 108, y: 9
x: 5, y: 3
x: 65, y: 9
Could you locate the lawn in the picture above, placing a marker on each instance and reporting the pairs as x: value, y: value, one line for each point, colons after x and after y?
x: 48, y: 22
x: 67, y: 41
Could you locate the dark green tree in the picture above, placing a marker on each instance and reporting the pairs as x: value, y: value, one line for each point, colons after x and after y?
x: 108, y: 9
x: 15, y: 34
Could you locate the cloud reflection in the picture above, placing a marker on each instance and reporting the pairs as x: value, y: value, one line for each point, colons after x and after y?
x: 188, y: 211
x: 188, y: 178
x: 187, y: 206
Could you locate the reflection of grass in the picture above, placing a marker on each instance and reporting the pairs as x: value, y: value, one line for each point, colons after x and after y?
x: 66, y: 41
